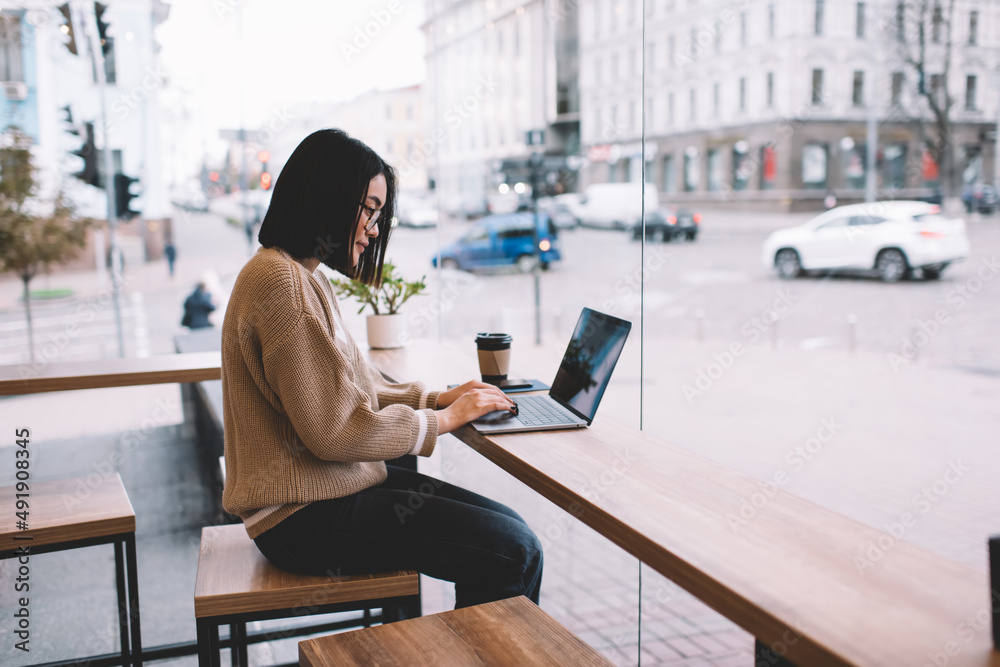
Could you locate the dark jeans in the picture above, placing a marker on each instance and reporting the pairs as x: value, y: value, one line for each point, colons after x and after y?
x: 413, y: 522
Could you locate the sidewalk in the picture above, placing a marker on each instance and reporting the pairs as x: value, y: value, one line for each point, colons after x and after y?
x: 849, y: 432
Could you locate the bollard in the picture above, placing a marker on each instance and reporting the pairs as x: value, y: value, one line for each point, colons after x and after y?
x: 699, y: 320
x: 852, y: 333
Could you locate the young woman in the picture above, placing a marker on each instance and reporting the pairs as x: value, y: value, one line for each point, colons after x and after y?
x: 309, y: 424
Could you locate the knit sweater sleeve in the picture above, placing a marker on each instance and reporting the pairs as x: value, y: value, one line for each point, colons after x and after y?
x: 330, y: 412
x: 414, y: 394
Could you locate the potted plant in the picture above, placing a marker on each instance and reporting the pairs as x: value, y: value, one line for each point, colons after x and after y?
x: 386, y: 326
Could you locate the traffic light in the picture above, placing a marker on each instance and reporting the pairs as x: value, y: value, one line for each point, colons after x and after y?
x: 265, y: 175
x: 124, y: 196
x: 265, y: 180
x: 102, y: 26
x: 67, y: 28
x: 90, y: 174
x: 107, y: 43
x: 70, y: 126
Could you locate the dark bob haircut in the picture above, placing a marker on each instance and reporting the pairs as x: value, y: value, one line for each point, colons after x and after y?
x: 315, y: 206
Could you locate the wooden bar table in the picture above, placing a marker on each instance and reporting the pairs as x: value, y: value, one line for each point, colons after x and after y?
x: 787, y: 575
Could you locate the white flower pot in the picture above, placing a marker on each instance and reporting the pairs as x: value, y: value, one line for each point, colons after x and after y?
x: 386, y: 332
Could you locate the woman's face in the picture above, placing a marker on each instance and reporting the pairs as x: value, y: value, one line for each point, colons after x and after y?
x: 377, y: 191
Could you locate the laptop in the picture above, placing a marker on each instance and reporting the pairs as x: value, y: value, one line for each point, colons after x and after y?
x: 580, y: 382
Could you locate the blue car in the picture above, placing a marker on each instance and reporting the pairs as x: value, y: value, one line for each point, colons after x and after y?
x: 504, y: 240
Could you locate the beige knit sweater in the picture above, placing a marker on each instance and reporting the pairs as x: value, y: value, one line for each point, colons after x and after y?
x: 305, y: 419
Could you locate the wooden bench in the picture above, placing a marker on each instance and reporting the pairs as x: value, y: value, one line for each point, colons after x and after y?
x: 507, y: 632
x: 72, y: 514
x: 236, y: 585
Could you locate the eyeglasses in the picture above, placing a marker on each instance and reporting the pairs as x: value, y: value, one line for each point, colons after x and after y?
x: 373, y: 215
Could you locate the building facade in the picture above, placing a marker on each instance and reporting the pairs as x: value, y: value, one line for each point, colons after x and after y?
x: 765, y: 102
x: 50, y: 93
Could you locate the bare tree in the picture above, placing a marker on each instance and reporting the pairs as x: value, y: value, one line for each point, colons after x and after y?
x: 925, y: 43
x: 34, y: 233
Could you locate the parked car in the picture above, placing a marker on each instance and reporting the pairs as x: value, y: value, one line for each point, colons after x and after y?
x: 616, y: 205
x: 980, y: 198
x: 889, y: 238
x: 501, y: 240
x: 669, y: 225
x: 561, y: 209
x: 416, y: 211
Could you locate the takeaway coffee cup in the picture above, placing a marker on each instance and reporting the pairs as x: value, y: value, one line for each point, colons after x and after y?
x: 494, y: 356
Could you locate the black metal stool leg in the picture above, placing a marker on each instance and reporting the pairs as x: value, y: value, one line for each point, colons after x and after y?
x: 208, y: 643
x: 763, y: 656
x: 133, y: 600
x: 238, y: 641
x: 122, y: 604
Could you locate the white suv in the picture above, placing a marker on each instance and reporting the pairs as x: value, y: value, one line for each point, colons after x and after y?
x: 891, y: 238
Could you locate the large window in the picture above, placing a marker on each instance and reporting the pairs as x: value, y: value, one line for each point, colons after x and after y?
x: 973, y: 27
x: 817, y: 86
x: 970, y: 92
x: 859, y: 20
x: 10, y: 48
x: 897, y: 87
x: 818, y: 17
x: 858, y: 89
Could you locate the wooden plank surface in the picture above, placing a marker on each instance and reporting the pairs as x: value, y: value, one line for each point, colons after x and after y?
x: 65, y: 510
x: 234, y: 577
x: 100, y: 373
x: 507, y: 632
x: 787, y: 576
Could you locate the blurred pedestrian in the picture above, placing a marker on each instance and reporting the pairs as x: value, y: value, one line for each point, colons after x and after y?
x: 170, y: 252
x: 197, y: 307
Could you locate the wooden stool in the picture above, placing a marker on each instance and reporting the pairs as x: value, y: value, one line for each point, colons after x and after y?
x: 236, y: 584
x: 507, y: 632
x: 75, y: 513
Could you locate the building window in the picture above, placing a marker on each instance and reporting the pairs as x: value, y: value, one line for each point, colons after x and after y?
x: 818, y: 19
x: 743, y: 93
x: 814, y: 163
x: 858, y: 89
x: 859, y: 21
x: 718, y: 37
x: 937, y: 20
x: 973, y: 28
x: 10, y: 48
x: 768, y: 167
x: 692, y: 169
x: 692, y: 106
x: 668, y: 175
x: 970, y: 92
x: 670, y: 109
x: 770, y: 21
x: 897, y: 87
x: 715, y: 99
x: 817, y: 86
x: 743, y: 29
x: 770, y: 89
x: 716, y: 174
x: 900, y: 21
x: 671, y: 50
x: 936, y: 87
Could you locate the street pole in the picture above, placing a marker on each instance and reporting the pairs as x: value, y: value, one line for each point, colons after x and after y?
x: 247, y: 226
x: 996, y: 137
x: 97, y: 63
x: 871, y: 135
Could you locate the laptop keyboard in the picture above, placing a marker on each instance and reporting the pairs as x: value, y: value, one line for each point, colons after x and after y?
x: 541, y: 411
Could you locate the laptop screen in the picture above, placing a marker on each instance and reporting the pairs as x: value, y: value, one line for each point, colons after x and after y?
x: 590, y: 357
